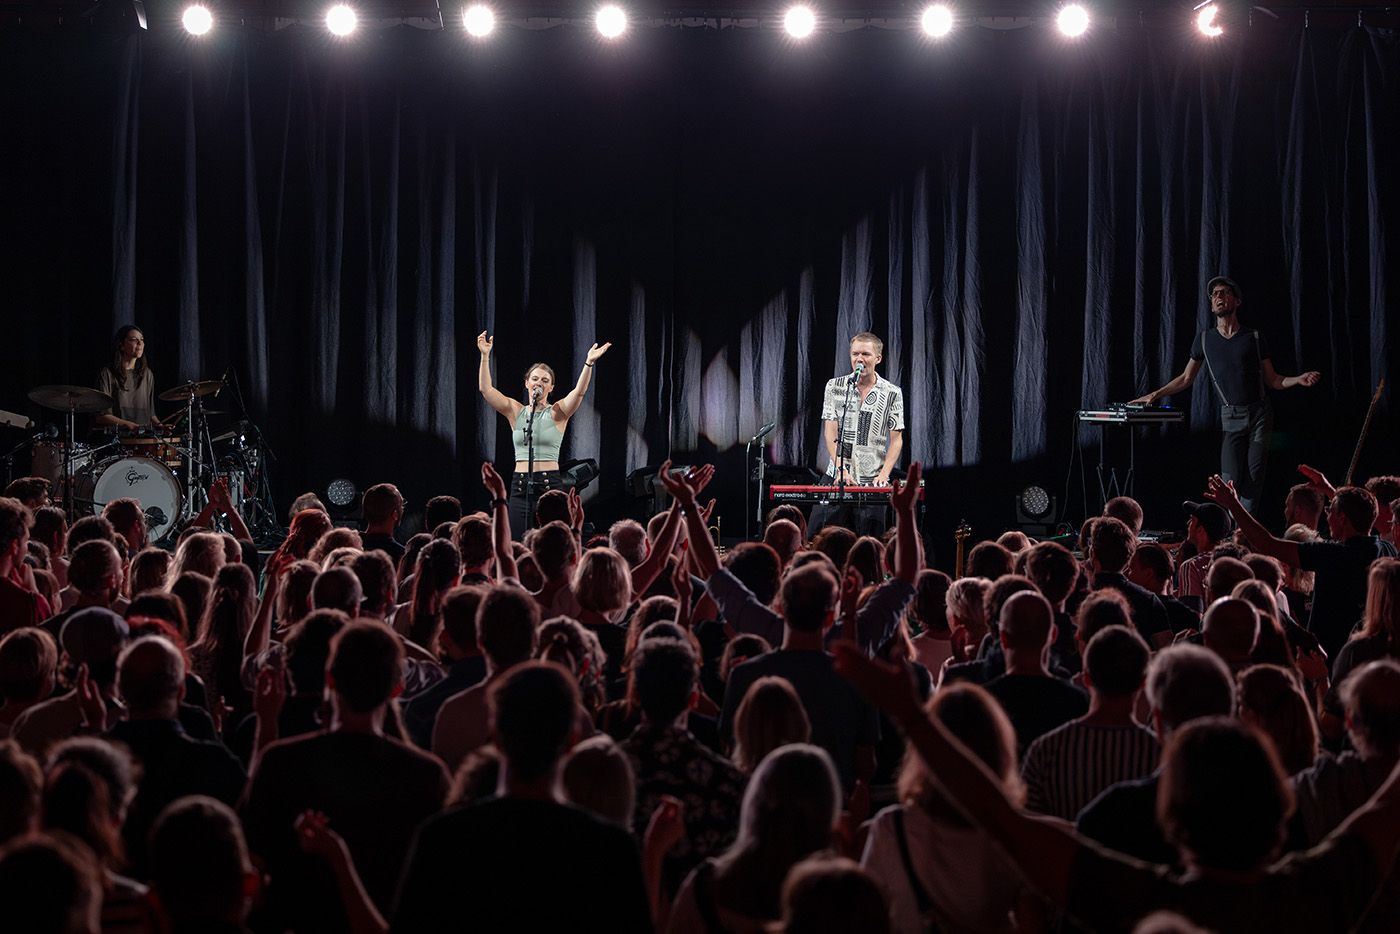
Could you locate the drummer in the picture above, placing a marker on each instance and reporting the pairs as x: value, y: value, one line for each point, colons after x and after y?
x: 129, y: 381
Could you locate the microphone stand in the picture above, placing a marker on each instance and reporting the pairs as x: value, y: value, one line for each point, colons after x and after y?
x: 530, y: 465
x: 841, y: 441
x: 757, y: 515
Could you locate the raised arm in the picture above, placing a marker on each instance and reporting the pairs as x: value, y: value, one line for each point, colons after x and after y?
x: 567, y: 406
x: 655, y: 561
x: 908, y: 544
x: 1260, y: 539
x: 1181, y: 382
x: 494, y: 397
x: 500, y: 521
x: 1042, y: 848
x: 683, y: 490
x: 1275, y: 380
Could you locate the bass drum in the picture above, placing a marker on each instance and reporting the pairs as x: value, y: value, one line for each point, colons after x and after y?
x: 147, y: 481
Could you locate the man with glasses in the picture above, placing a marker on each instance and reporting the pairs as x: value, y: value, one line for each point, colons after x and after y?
x: 1240, y: 368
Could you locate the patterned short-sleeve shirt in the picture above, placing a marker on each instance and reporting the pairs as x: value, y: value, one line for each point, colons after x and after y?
x: 868, y: 424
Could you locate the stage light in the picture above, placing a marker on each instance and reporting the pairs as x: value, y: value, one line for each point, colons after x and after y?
x: 799, y: 21
x: 1073, y: 20
x: 937, y: 21
x: 341, y: 20
x: 197, y: 20
x: 611, y: 21
x: 479, y: 20
x: 340, y: 492
x: 1206, y: 20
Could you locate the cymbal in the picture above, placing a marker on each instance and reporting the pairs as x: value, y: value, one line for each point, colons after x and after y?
x: 203, y: 387
x: 71, y: 398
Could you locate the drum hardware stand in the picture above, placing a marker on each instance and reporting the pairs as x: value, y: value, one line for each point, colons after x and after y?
x: 263, y: 520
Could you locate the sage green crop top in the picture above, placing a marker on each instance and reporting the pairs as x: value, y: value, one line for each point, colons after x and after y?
x: 548, y: 436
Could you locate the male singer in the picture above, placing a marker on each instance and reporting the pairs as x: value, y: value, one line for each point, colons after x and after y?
x: 866, y: 411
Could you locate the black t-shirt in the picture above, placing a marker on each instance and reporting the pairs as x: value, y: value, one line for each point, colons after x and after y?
x: 1037, y: 704
x: 509, y: 864
x: 1180, y: 616
x: 1234, y: 364
x: 1339, y: 591
x: 374, y: 791
x: 1124, y: 818
x: 1149, y: 615
x: 841, y: 720
x: 385, y: 543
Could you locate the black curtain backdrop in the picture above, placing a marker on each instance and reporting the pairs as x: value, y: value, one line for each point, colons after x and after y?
x: 1029, y: 224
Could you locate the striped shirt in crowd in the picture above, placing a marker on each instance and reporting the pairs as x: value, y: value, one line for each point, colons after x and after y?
x: 1067, y: 768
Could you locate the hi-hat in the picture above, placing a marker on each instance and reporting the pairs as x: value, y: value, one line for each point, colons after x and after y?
x: 71, y: 399
x: 204, y: 387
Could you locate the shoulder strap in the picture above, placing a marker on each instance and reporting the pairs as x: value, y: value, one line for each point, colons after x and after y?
x: 705, y: 899
x: 1211, y: 370
x: 921, y: 896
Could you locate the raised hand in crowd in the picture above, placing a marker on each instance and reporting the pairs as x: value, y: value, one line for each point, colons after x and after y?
x: 1318, y: 481
x: 90, y: 701
x: 316, y: 838
x: 500, y: 521
x: 665, y: 829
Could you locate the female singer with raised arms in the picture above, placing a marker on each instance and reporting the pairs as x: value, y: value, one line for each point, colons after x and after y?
x: 544, y: 420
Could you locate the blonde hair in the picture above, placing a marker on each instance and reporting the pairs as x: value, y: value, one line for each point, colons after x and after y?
x: 967, y: 602
x: 597, y: 776
x: 1382, y: 616
x: 970, y: 714
x: 602, y: 581
x: 770, y: 715
x: 202, y: 552
x: 869, y: 338
x: 1298, y: 579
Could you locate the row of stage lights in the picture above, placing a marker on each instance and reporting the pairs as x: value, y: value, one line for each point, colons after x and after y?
x: 799, y: 21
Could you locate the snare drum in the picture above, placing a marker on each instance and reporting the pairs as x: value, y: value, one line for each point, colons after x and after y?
x: 147, y: 481
x: 153, y: 443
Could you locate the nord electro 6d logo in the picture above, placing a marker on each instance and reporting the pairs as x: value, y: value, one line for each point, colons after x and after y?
x: 133, y: 478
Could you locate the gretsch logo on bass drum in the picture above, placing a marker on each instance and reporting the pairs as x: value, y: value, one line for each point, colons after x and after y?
x: 133, y: 478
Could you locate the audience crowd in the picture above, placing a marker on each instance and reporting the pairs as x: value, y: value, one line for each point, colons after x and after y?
x: 638, y: 730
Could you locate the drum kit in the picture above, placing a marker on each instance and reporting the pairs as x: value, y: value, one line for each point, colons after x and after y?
x: 167, y: 467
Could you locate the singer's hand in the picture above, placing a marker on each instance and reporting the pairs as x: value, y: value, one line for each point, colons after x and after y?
x: 484, y: 343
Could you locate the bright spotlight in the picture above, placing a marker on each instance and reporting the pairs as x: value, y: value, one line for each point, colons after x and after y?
x: 479, y: 20
x: 341, y: 20
x: 937, y: 21
x: 799, y: 21
x: 197, y: 20
x: 611, y: 21
x: 1205, y: 20
x: 1073, y: 20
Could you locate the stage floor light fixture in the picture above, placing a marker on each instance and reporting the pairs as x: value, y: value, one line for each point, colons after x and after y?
x: 197, y: 19
x: 479, y: 20
x: 341, y: 20
x: 799, y: 21
x: 610, y: 21
x: 1072, y: 20
x: 937, y: 20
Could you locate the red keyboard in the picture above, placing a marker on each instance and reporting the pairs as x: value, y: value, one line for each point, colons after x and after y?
x: 825, y: 493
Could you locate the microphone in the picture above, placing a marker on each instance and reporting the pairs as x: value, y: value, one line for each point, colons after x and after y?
x: 50, y: 431
x: 763, y: 432
x: 855, y: 376
x: 535, y: 394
